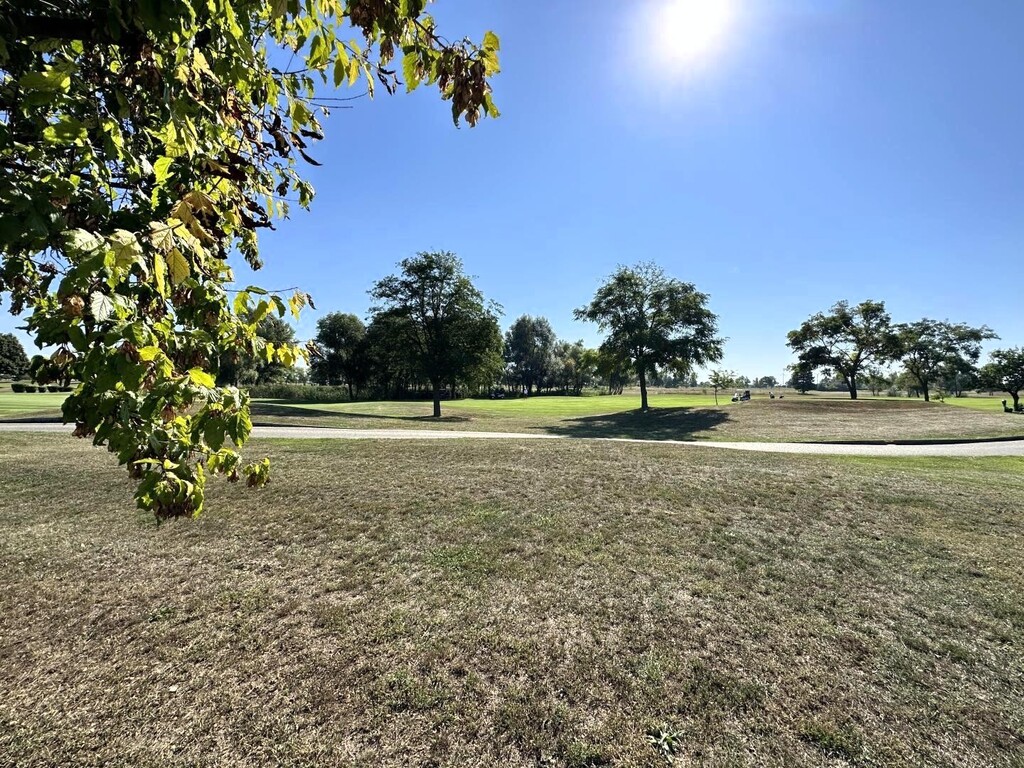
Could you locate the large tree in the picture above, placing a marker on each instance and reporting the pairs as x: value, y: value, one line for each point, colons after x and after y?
x: 1005, y: 372
x: 932, y: 349
x: 653, y: 321
x: 529, y: 351
x: 13, y: 360
x: 845, y: 340
x: 450, y: 331
x: 341, y: 351
x: 142, y: 143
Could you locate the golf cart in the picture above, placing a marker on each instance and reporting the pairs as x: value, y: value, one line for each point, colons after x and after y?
x: 740, y: 397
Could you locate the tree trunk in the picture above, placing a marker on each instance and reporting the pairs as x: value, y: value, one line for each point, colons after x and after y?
x: 437, y: 400
x: 716, y: 395
x: 924, y: 388
x: 351, y: 396
x: 1016, y: 400
x: 851, y: 382
x: 643, y: 390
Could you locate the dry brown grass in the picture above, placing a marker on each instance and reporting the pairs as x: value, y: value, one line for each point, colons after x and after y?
x: 490, y: 603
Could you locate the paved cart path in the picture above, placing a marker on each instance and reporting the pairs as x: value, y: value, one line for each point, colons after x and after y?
x: 975, y: 448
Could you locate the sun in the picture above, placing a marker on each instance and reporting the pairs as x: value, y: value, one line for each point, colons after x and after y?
x: 687, y: 32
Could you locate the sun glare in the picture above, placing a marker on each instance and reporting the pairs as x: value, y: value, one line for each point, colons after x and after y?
x: 687, y: 32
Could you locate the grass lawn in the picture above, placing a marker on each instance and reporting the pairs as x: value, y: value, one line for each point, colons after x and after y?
x: 515, y: 604
x: 674, y: 416
x: 28, y: 404
x: 981, y: 402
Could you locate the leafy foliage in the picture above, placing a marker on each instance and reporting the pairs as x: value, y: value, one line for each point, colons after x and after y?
x: 141, y: 143
x: 259, y: 367
x: 721, y: 379
x: 341, y: 352
x: 13, y: 360
x: 845, y: 340
x: 653, y: 321
x: 931, y: 349
x: 449, y: 332
x: 529, y: 351
x: 1005, y: 371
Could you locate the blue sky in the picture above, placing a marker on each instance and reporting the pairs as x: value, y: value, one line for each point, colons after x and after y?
x: 827, y: 149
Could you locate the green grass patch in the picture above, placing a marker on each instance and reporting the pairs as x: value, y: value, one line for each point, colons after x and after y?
x: 514, y: 603
x: 672, y: 417
x: 25, y: 404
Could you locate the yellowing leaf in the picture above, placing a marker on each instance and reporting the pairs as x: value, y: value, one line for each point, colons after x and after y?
x: 159, y: 267
x: 177, y: 266
x: 161, y: 234
x: 201, y: 378
x: 125, y: 247
x: 199, y: 200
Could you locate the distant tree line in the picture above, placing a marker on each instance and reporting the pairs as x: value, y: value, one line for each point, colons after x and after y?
x: 431, y: 333
x: 850, y: 344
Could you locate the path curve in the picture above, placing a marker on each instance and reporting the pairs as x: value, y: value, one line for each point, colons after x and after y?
x: 975, y: 449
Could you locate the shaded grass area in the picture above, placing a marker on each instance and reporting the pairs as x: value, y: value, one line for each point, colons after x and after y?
x: 521, y: 604
x: 673, y: 417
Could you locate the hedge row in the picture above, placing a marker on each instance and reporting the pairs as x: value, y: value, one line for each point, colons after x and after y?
x: 17, y: 386
x: 309, y: 393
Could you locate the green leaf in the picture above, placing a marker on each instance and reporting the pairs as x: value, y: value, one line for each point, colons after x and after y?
x: 67, y: 130
x: 52, y: 80
x: 162, y: 168
x: 177, y: 266
x: 213, y: 434
x: 101, y: 306
x: 148, y: 354
x: 201, y: 378
x: 410, y: 71
x: 81, y: 241
x: 491, y: 41
x: 340, y: 65
x: 241, y: 302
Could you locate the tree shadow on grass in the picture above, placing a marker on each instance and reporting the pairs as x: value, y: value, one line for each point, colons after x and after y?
x: 681, y: 423
x: 265, y: 409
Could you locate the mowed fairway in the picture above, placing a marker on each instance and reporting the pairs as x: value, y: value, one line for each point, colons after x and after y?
x: 819, y: 417
x: 28, y: 404
x: 517, y: 604
x: 673, y: 417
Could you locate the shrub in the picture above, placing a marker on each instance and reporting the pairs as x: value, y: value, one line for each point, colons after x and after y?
x: 68, y: 388
x: 17, y: 386
x: 309, y: 393
x: 29, y: 388
x: 52, y: 388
